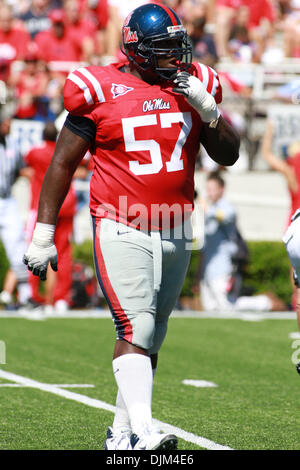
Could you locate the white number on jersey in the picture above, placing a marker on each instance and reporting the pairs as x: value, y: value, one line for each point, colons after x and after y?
x: 166, y: 121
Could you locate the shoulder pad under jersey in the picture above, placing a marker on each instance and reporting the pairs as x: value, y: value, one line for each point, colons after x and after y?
x: 82, y: 91
x: 210, y: 79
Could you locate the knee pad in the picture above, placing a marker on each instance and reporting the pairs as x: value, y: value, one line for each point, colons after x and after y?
x: 139, y: 329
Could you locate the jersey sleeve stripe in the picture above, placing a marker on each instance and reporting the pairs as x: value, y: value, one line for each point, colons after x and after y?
x: 205, y: 76
x: 96, y: 85
x: 211, y: 77
x: 216, y: 81
x: 80, y: 83
x: 199, y: 71
x: 214, y: 86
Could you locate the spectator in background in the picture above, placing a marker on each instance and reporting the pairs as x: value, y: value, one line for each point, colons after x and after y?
x: 221, y: 282
x: 56, y: 44
x: 225, y: 14
x: 11, y: 227
x: 30, y: 87
x: 14, y: 40
x: 117, y: 14
x: 286, y: 161
x: 58, y: 285
x: 219, y: 247
x: 291, y: 28
x: 240, y: 47
x: 36, y: 19
x: 204, y: 48
x: 106, y: 37
x: 257, y: 16
x: 83, y: 30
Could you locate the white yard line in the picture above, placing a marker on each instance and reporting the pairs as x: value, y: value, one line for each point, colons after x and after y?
x: 54, y: 385
x: 199, y: 383
x: 187, y: 436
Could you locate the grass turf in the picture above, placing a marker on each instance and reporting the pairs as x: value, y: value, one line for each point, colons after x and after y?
x: 255, y: 406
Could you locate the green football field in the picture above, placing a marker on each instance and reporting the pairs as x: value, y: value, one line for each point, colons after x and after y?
x: 255, y: 405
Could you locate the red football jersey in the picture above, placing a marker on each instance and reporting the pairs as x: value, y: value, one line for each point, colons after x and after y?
x: 257, y: 10
x: 53, y: 48
x: 14, y: 44
x: 147, y: 141
x: 39, y: 158
x: 294, y: 162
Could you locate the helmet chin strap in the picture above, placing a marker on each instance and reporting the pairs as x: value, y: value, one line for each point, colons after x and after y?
x: 148, y: 75
x: 152, y: 74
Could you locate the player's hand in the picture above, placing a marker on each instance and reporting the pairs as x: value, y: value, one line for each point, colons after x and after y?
x: 41, y: 251
x: 195, y: 92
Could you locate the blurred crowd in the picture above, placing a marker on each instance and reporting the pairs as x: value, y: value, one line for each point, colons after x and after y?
x: 40, y: 40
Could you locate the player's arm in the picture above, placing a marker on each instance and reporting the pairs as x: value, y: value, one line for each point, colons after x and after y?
x: 70, y: 149
x: 221, y: 143
x: 220, y: 140
x: 275, y: 162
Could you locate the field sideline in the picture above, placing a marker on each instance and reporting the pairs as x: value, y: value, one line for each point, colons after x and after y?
x: 57, y: 389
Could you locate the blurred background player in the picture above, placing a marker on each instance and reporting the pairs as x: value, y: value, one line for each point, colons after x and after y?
x: 148, y: 159
x: 292, y: 244
x: 11, y: 226
x: 58, y: 285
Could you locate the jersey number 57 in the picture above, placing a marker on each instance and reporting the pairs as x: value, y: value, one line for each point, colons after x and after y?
x: 133, y: 145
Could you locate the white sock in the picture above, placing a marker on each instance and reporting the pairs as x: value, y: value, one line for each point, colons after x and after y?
x: 121, y: 419
x: 133, y: 374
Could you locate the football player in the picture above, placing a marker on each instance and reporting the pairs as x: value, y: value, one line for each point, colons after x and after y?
x: 291, y: 241
x: 143, y: 120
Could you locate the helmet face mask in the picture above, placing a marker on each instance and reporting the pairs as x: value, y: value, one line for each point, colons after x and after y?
x: 155, y: 42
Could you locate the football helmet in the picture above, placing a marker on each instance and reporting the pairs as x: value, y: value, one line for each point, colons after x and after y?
x: 152, y: 32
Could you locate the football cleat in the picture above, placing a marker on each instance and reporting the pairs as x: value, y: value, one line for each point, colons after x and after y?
x: 119, y: 440
x: 154, y: 440
x: 298, y: 367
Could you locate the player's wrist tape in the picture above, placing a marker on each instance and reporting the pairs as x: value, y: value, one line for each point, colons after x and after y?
x: 197, y: 95
x: 205, y: 105
x: 43, y: 235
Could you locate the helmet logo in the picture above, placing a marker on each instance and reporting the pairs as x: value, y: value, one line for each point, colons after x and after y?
x: 119, y: 90
x: 130, y: 36
x: 175, y: 28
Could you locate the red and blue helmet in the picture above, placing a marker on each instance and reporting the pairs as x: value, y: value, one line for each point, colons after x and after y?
x: 154, y: 31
